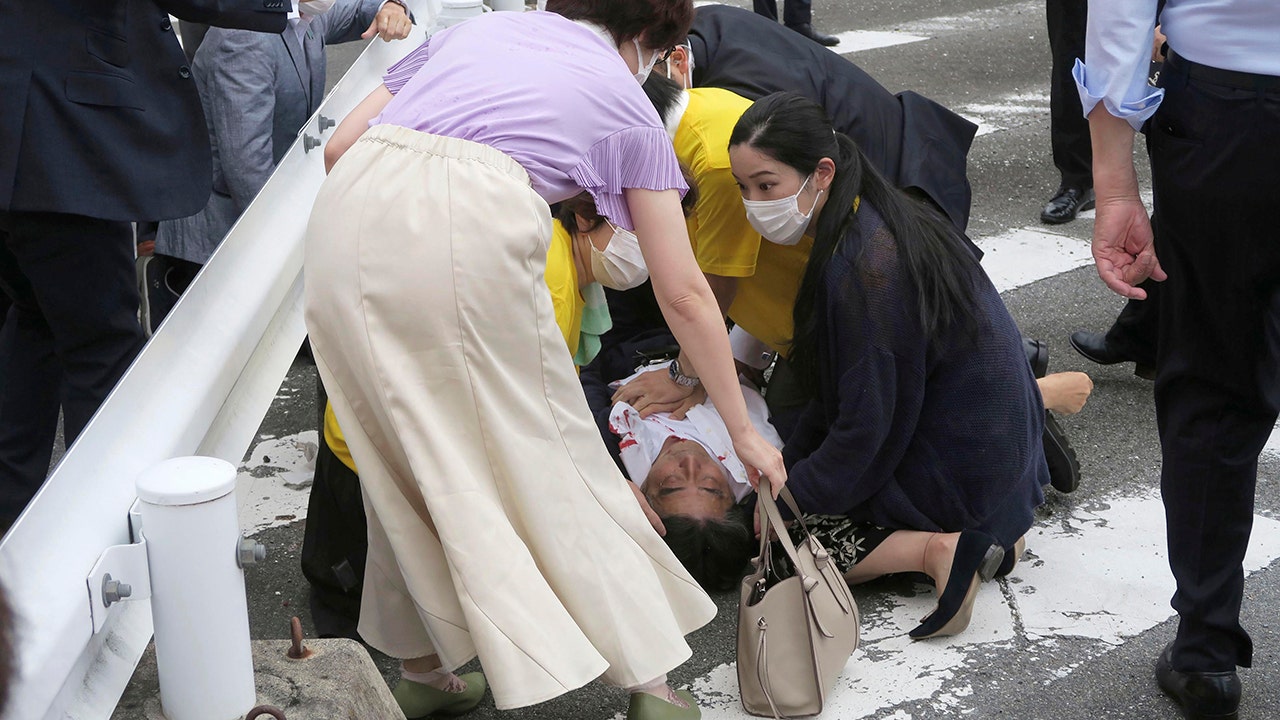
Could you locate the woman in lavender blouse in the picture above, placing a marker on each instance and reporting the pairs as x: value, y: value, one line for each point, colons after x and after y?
x: 434, y: 334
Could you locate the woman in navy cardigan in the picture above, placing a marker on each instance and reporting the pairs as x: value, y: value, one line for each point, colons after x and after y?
x: 926, y: 420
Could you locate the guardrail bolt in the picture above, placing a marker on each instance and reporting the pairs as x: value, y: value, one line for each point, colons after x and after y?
x: 113, y: 591
x: 310, y: 143
x: 326, y: 122
x: 250, y: 552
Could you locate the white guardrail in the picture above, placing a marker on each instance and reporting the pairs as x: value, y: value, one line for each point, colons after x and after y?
x: 201, y: 386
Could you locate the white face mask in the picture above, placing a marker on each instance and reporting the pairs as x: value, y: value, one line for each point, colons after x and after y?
x: 643, y: 73
x: 315, y: 7
x: 780, y: 221
x: 620, y: 265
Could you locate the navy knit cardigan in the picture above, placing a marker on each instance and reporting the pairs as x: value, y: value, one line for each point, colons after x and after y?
x: 912, y: 432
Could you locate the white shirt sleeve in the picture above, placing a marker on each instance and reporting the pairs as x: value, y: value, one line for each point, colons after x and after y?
x: 1118, y: 48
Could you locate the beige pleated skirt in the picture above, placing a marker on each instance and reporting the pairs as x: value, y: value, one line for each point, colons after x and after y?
x: 498, y: 524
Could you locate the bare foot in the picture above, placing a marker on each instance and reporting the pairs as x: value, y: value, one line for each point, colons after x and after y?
x: 1065, y: 392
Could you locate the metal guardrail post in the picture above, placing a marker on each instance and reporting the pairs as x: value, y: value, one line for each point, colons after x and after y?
x: 195, y: 553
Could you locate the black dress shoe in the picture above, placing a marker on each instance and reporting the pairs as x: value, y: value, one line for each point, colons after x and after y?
x: 1201, y: 695
x: 1064, y: 205
x: 808, y: 31
x: 1064, y: 467
x: 1094, y: 346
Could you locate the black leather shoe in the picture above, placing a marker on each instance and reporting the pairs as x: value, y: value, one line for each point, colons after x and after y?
x: 1064, y: 467
x: 1038, y: 355
x: 808, y: 31
x: 1066, y: 204
x: 1094, y: 346
x: 1201, y: 695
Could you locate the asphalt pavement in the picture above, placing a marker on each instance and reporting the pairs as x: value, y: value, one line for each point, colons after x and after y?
x: 1074, y: 631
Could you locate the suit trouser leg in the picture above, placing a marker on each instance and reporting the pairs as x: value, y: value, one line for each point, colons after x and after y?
x: 1137, y: 328
x: 1214, y: 155
x: 72, y: 333
x: 767, y: 8
x: 797, y: 12
x: 1068, y: 128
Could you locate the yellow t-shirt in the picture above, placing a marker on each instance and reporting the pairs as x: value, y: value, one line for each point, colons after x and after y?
x: 724, y: 242
x: 764, y: 301
x: 562, y: 281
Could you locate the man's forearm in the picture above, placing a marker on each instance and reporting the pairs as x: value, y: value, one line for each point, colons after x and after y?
x: 1114, y: 176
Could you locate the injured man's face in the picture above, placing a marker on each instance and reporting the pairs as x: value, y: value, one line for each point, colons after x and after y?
x: 686, y: 480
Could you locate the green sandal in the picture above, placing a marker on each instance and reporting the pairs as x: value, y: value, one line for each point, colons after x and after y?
x: 644, y: 706
x: 419, y: 701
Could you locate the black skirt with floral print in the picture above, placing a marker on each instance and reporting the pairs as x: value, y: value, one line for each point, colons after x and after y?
x: 846, y: 540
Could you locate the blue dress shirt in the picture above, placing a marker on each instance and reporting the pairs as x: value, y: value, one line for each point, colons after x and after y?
x: 1241, y: 35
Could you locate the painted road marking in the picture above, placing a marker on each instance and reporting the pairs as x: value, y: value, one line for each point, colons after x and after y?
x: 1113, y: 546
x: 274, y: 481
x: 1013, y: 110
x: 1025, y: 255
x: 860, y: 40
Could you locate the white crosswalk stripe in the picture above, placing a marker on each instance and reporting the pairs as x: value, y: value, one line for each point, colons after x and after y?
x: 859, y: 40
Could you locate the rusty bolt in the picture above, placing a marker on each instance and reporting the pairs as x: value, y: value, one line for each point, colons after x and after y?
x: 274, y: 712
x: 297, y: 651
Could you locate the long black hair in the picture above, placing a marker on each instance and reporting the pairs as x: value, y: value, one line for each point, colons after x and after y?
x: 796, y: 132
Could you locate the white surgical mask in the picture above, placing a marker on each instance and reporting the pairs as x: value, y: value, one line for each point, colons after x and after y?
x: 643, y: 73
x: 315, y: 7
x: 780, y: 221
x: 620, y: 265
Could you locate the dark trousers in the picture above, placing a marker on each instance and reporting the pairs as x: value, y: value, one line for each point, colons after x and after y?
x: 1137, y: 328
x: 794, y: 12
x: 71, y: 333
x: 334, y: 545
x: 1215, y: 162
x: 1068, y: 128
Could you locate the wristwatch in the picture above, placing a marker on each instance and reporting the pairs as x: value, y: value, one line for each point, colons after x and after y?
x: 680, y: 378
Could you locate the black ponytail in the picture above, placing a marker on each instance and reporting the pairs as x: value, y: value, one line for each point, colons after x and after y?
x: 796, y: 132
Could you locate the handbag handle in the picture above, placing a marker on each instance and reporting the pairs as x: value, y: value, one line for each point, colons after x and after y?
x: 770, y: 517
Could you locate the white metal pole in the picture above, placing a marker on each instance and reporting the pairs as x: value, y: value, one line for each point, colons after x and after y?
x: 198, y: 604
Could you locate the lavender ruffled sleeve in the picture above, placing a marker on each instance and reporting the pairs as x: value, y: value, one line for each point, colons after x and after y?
x: 403, y: 71
x: 637, y: 157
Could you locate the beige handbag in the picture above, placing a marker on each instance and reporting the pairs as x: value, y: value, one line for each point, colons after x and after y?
x: 797, y: 626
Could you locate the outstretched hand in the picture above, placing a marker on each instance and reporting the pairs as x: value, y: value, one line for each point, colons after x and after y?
x: 1122, y: 247
x: 391, y: 23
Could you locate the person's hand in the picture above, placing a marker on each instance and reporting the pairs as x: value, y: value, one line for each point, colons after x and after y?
x: 762, y: 460
x: 1122, y: 246
x: 1065, y: 392
x: 655, y: 391
x: 1157, y: 44
x: 649, y: 512
x: 391, y: 23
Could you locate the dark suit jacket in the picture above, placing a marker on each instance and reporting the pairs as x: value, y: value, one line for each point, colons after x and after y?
x: 913, y: 141
x: 98, y: 111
